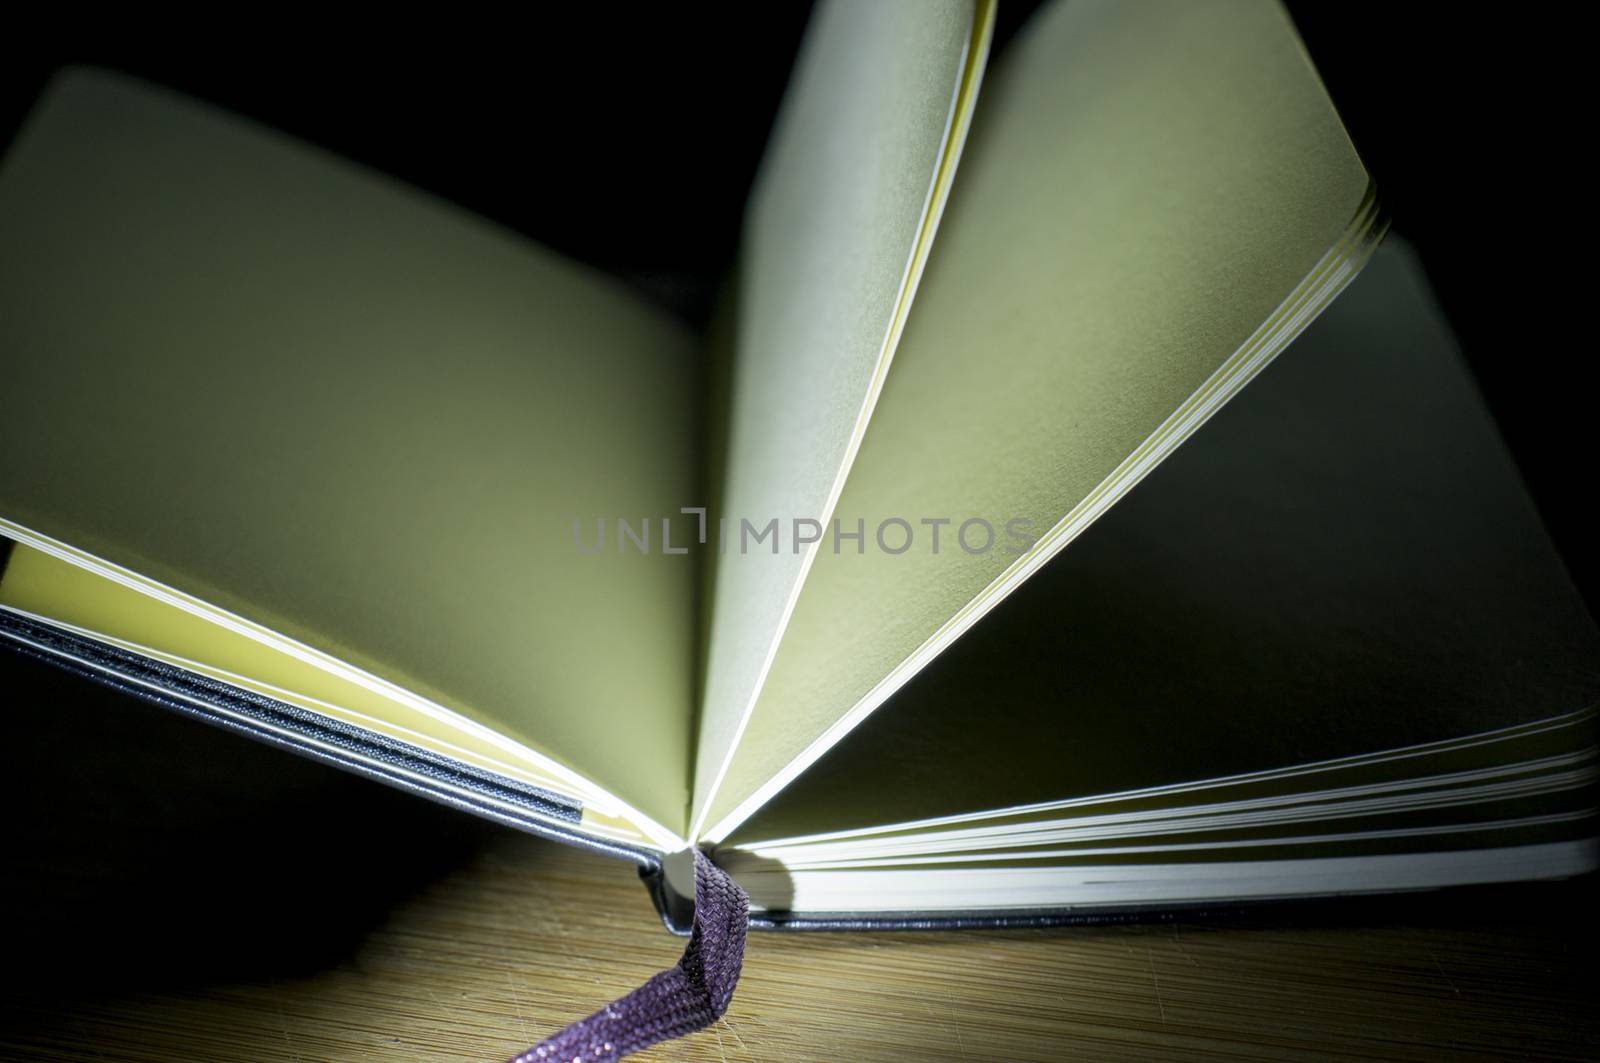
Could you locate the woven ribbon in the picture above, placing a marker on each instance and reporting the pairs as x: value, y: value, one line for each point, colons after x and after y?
x: 680, y: 1000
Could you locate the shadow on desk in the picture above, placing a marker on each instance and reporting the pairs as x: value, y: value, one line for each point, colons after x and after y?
x: 177, y: 892
x: 145, y: 849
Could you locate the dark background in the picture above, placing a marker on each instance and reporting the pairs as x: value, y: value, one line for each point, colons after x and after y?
x: 627, y: 136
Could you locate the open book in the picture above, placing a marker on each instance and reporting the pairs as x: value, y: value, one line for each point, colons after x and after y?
x: 910, y: 606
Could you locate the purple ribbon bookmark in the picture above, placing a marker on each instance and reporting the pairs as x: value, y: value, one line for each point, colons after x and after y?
x: 679, y: 1000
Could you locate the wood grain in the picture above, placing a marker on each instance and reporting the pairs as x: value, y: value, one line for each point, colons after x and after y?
x: 526, y: 936
x: 174, y: 893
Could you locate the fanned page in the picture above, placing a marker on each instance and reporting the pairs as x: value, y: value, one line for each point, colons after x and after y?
x: 1326, y: 646
x: 1155, y: 198
x: 838, y: 228
x: 291, y: 425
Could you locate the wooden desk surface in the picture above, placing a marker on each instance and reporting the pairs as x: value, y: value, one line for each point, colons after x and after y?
x: 185, y: 895
x: 526, y: 936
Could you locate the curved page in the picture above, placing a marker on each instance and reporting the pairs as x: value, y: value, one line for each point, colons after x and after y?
x: 845, y: 206
x: 362, y: 419
x: 1156, y: 197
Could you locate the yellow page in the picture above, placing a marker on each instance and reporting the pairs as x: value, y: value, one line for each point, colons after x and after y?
x: 839, y: 225
x: 1155, y: 198
x: 360, y: 418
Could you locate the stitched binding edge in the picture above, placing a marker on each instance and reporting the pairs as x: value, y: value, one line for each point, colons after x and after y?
x: 523, y: 807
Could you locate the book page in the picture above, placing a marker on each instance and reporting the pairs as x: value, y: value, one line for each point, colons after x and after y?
x: 1155, y: 198
x: 359, y: 417
x: 1344, y: 561
x: 837, y: 230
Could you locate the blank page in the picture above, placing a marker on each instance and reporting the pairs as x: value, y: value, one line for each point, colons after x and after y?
x: 835, y: 237
x: 1344, y: 561
x: 360, y: 417
x: 1155, y: 197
